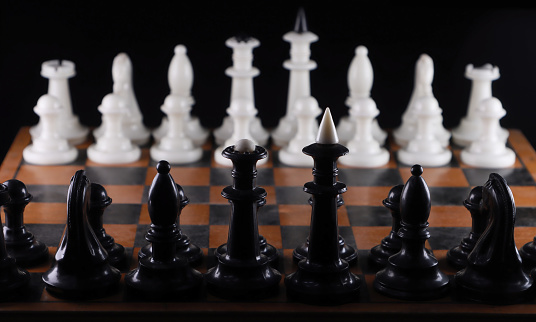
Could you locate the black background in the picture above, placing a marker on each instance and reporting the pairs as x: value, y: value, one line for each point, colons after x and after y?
x: 91, y: 33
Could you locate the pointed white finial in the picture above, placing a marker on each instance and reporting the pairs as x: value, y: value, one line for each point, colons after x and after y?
x: 327, y: 132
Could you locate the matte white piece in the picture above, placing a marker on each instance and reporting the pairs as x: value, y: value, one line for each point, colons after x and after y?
x: 58, y: 73
x: 49, y: 147
x: 327, y: 132
x: 176, y: 147
x: 244, y: 146
x: 299, y: 66
x: 180, y: 80
x: 470, y: 126
x: 241, y: 111
x: 305, y: 111
x: 113, y: 147
x: 364, y: 150
x: 425, y: 149
x: 489, y: 150
x: 132, y: 122
x: 242, y: 73
x: 424, y: 76
x: 360, y: 80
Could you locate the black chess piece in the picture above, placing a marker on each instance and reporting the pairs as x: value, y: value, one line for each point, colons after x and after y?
x: 457, y: 256
x: 266, y: 249
x: 494, y: 273
x: 21, y: 244
x: 98, y: 204
x: 185, y: 248
x: 347, y: 252
x: 81, y: 269
x: 161, y: 273
x: 13, y: 280
x: 413, y: 273
x: 391, y: 244
x: 323, y: 277
x: 242, y: 272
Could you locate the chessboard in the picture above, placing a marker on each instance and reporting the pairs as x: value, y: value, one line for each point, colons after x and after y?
x: 283, y: 221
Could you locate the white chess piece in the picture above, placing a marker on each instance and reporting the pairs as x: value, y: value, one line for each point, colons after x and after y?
x: 241, y: 111
x: 425, y: 149
x: 299, y: 66
x: 176, y: 147
x: 305, y: 111
x: 360, y: 80
x: 133, y: 127
x: 470, y: 127
x: 58, y: 73
x: 180, y: 80
x: 49, y: 148
x: 113, y: 146
x: 242, y: 73
x: 489, y: 150
x: 364, y: 150
x: 424, y: 75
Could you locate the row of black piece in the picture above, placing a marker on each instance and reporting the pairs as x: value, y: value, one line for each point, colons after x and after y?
x: 87, y: 261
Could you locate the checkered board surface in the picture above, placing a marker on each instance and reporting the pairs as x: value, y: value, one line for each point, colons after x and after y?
x: 284, y: 222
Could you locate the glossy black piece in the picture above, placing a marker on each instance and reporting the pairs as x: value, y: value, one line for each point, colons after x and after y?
x: 98, y: 204
x: 21, y: 244
x: 323, y: 277
x: 184, y: 247
x: 347, y: 252
x: 242, y: 272
x: 301, y: 22
x: 13, y: 280
x: 392, y: 243
x: 494, y: 273
x: 457, y: 256
x: 81, y: 269
x: 266, y: 249
x: 162, y: 274
x: 413, y: 273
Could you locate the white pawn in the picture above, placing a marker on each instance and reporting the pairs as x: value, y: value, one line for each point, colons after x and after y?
x: 424, y: 75
x: 49, y: 147
x: 180, y: 80
x: 425, y: 149
x: 113, y: 146
x: 241, y: 111
x: 242, y: 73
x: 470, y: 126
x: 305, y: 111
x: 176, y: 147
x: 58, y: 73
x: 299, y: 66
x: 132, y: 123
x: 360, y: 80
x: 364, y: 150
x: 489, y: 150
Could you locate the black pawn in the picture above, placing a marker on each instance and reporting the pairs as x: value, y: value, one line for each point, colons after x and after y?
x: 494, y: 273
x: 98, y: 204
x: 81, y: 269
x: 346, y: 251
x: 391, y: 244
x: 13, y: 280
x: 21, y: 244
x: 161, y: 273
x: 185, y: 248
x: 413, y: 273
x: 242, y: 272
x: 266, y: 249
x: 323, y: 277
x: 457, y: 256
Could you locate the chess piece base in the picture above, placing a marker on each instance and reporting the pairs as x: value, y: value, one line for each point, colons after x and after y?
x: 425, y: 159
x: 176, y: 156
x: 489, y: 160
x: 113, y: 157
x: 366, y: 160
x: 34, y: 156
